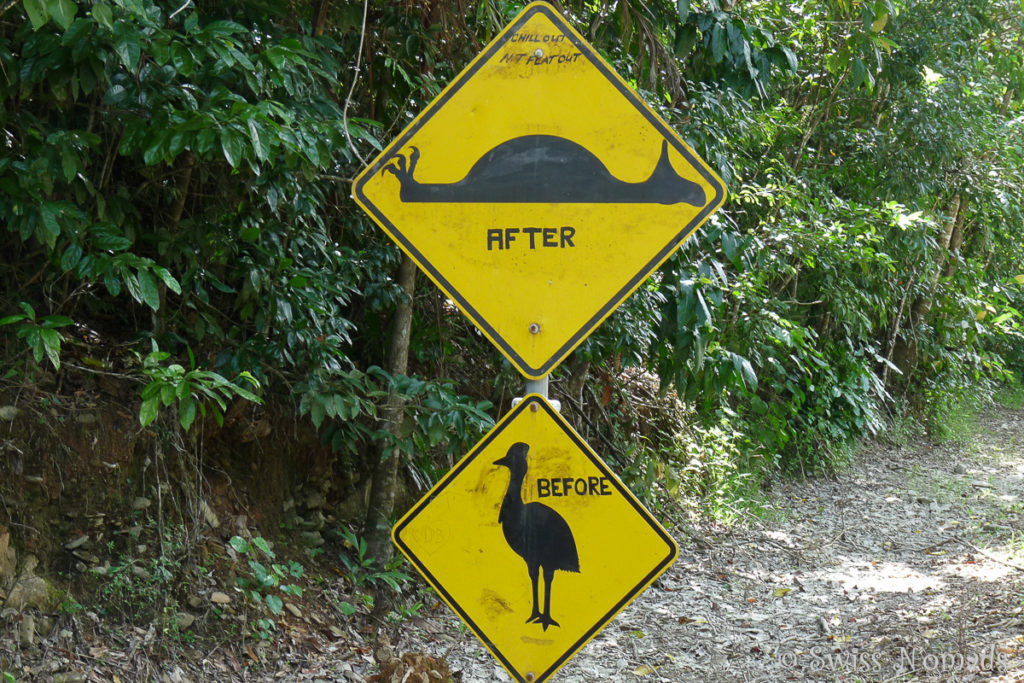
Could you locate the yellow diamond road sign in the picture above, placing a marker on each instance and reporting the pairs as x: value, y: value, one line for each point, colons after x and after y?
x: 533, y: 541
x: 538, y: 190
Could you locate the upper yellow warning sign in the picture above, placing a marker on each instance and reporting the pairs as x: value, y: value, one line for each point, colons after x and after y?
x: 534, y: 541
x: 538, y: 190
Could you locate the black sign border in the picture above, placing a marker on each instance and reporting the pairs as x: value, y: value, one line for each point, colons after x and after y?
x: 623, y: 293
x: 525, y: 404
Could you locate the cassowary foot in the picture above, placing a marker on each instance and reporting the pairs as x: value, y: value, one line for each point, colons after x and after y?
x: 545, y: 620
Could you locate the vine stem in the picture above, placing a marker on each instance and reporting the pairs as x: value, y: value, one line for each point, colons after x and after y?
x: 352, y: 86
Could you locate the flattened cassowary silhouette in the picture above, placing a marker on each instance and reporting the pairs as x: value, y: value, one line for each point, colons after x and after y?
x: 545, y: 168
x: 536, y: 533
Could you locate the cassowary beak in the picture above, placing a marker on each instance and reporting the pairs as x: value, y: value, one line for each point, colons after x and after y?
x: 517, y: 450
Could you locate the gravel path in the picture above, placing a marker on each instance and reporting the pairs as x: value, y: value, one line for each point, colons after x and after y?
x: 908, y: 566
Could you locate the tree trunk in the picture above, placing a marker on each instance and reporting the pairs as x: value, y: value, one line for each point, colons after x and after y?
x: 956, y: 241
x: 385, y: 473
x: 904, y: 351
x: 927, y: 299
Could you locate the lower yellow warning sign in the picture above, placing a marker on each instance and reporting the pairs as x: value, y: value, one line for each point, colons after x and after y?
x: 534, y: 541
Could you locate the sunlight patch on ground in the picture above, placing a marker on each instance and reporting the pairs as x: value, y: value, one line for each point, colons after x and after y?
x: 981, y: 568
x: 781, y: 537
x: 885, y: 577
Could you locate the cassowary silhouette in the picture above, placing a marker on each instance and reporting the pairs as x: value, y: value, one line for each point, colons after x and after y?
x: 545, y: 168
x: 536, y: 533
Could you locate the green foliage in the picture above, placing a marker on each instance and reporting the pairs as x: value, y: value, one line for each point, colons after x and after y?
x: 364, y: 571
x: 1011, y: 395
x: 69, y: 605
x: 39, y: 334
x: 139, y: 589
x: 177, y: 173
x: 263, y: 582
x: 367, y: 577
x: 436, y: 419
x: 192, y: 390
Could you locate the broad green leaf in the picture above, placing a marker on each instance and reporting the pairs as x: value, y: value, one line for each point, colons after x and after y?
x: 51, y: 343
x: 49, y: 214
x: 187, y: 412
x: 113, y: 284
x: 148, y: 289
x: 317, y: 413
x: 149, y: 410
x: 859, y: 74
x: 749, y: 376
x: 703, y: 314
x: 718, y: 42
x: 239, y: 544
x: 262, y: 544
x: 257, y: 141
x: 161, y: 50
x: 683, y: 7
x: 131, y: 282
x: 37, y: 13
x: 126, y: 45
x: 16, y: 318
x: 168, y: 279
x: 154, y: 150
x: 55, y: 321
x: 34, y: 341
x: 103, y: 15
x: 231, y: 143
x: 275, y: 604
x: 182, y: 60
x: 110, y: 241
x: 686, y: 38
x: 153, y: 388
x: 68, y: 162
x: 29, y: 311
x: 790, y: 58
x: 62, y: 11
x: 274, y: 55
x: 999, y: 320
x: 72, y: 255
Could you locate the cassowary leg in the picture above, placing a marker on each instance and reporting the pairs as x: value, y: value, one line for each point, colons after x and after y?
x: 545, y: 619
x: 534, y: 575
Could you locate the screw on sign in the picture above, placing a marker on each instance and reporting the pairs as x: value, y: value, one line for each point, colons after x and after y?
x: 505, y: 183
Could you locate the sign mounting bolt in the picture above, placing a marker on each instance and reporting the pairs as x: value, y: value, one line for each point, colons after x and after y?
x: 534, y: 328
x: 538, y: 52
